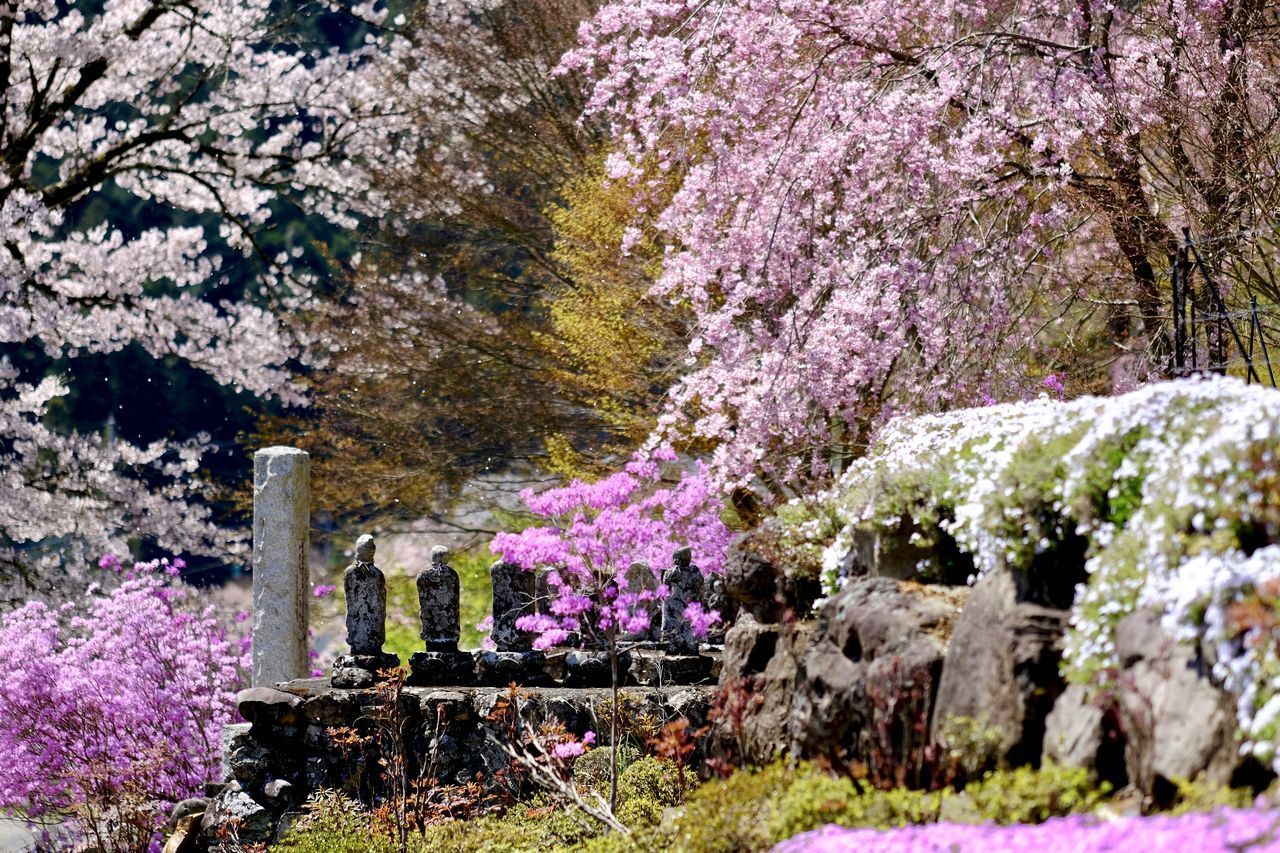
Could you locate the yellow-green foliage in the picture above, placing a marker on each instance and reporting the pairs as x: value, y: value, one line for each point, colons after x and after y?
x: 651, y: 778
x: 973, y: 743
x: 617, y: 343
x: 752, y: 810
x: 1199, y: 797
x: 533, y: 827
x: 1025, y: 795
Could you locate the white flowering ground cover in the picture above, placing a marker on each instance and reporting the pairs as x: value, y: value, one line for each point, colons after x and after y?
x: 1175, y: 489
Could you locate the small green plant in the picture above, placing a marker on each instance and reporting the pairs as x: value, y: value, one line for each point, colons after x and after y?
x: 591, y: 769
x: 332, y: 823
x: 1200, y: 797
x: 973, y: 744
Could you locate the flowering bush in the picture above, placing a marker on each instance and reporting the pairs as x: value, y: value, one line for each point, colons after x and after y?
x: 112, y: 706
x: 1174, y: 489
x: 598, y: 530
x: 1223, y: 830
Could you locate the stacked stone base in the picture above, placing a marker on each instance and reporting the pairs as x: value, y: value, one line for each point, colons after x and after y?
x: 357, y: 671
x: 640, y: 667
x: 432, y: 669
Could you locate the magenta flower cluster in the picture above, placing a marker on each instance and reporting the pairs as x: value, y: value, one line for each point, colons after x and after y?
x: 597, y: 531
x: 1221, y: 831
x: 573, y: 748
x: 115, y: 702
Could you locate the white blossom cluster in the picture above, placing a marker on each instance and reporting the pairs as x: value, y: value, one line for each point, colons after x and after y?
x: 1175, y: 487
x: 206, y: 108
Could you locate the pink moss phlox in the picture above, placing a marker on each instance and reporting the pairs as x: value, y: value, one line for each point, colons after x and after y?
x: 574, y: 748
x: 1220, y: 831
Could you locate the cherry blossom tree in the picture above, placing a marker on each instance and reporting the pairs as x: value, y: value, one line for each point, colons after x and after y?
x: 204, y: 112
x: 883, y: 206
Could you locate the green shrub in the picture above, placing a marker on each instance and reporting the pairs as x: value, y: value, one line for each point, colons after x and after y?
x: 1026, y: 795
x: 332, y: 823
x: 814, y: 798
x: 752, y: 810
x: 651, y: 778
x: 1199, y: 797
x: 537, y: 826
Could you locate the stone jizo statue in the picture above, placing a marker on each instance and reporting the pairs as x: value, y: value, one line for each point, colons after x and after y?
x: 366, y: 590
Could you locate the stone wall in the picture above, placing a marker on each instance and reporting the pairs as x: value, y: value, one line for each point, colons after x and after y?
x: 306, y: 735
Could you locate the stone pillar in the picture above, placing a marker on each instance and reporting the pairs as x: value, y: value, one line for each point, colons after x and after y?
x: 514, y: 660
x: 281, y: 522
x: 684, y: 585
x: 439, y: 606
x: 513, y: 590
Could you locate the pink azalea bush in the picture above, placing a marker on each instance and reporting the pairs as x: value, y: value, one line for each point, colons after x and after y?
x: 112, y: 706
x: 1220, y: 831
x: 597, y: 531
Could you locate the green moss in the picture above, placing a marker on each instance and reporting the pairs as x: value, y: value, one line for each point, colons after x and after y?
x: 654, y: 779
x: 537, y: 826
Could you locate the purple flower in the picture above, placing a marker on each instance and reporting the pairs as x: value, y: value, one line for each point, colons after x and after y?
x: 323, y: 590
x: 574, y: 748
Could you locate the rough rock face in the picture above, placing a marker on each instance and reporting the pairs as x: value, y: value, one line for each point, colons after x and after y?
x: 1176, y: 723
x: 760, y: 666
x: 756, y: 583
x: 1073, y: 731
x: 875, y: 643
x: 235, y: 814
x: 1179, y: 725
x: 1002, y: 667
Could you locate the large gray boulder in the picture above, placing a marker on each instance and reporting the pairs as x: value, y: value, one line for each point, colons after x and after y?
x: 876, y: 653
x: 1178, y: 723
x: 1002, y: 669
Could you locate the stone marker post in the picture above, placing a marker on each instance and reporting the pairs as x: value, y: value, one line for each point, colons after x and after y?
x: 439, y: 600
x: 514, y: 660
x: 281, y: 521
x: 513, y: 592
